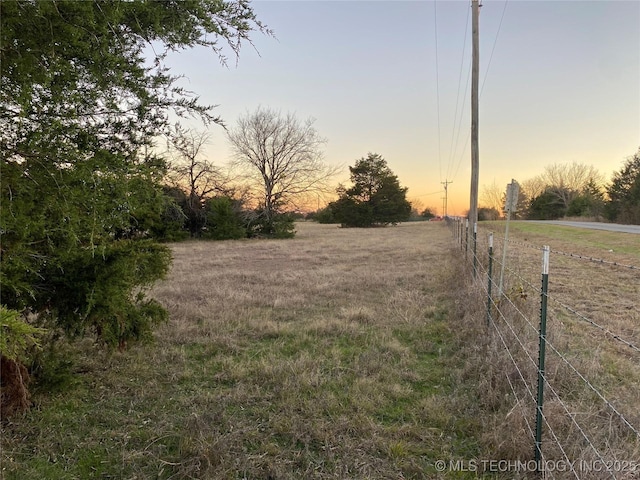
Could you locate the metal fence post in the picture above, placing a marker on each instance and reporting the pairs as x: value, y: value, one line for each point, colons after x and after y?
x: 489, y: 279
x: 466, y: 238
x: 541, y: 353
x: 475, y: 248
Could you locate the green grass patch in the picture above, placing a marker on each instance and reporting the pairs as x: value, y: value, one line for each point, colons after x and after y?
x: 626, y: 243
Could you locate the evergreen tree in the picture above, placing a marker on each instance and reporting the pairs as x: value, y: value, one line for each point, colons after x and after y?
x: 224, y: 219
x: 624, y: 193
x: 376, y: 197
x: 547, y: 206
x: 80, y: 106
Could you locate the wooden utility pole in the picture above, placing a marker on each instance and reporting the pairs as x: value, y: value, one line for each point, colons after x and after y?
x: 446, y: 196
x: 475, y: 153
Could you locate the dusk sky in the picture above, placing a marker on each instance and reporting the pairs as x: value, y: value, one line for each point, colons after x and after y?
x: 560, y: 82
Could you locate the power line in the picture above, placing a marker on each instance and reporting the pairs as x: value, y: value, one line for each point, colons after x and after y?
x: 427, y: 194
x: 446, y: 195
x: 455, y: 116
x: 495, y: 41
x: 435, y: 30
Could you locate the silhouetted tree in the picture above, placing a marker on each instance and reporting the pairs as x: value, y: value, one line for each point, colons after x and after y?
x: 624, y: 193
x: 282, y: 159
x: 376, y: 197
x: 547, y: 206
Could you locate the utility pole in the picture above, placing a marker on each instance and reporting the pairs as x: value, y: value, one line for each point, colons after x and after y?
x: 446, y: 184
x: 475, y: 154
x: 444, y: 208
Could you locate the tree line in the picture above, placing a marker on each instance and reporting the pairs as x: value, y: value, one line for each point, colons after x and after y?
x: 573, y: 190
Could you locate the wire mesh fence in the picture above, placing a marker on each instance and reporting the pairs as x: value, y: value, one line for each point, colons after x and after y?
x: 566, y: 335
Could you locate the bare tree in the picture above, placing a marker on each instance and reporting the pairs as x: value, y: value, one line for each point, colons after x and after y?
x: 565, y: 181
x: 493, y: 196
x: 194, y: 174
x: 282, y: 159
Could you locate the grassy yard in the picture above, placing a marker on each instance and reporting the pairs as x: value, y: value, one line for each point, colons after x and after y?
x: 346, y: 353
x: 332, y: 355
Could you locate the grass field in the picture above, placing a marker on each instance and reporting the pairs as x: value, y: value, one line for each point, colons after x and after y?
x: 343, y: 353
x: 327, y: 356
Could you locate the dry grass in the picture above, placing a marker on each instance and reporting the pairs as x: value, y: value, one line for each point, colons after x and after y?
x: 600, y: 293
x: 326, y: 356
x: 343, y: 354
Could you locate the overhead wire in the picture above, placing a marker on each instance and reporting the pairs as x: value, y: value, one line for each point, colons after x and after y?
x: 455, y: 116
x: 495, y: 41
x: 435, y: 30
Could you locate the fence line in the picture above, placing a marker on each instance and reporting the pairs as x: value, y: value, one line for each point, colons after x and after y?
x: 511, y: 336
x: 573, y: 255
x: 581, y: 316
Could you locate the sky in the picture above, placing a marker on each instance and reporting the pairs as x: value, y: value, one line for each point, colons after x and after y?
x: 559, y: 83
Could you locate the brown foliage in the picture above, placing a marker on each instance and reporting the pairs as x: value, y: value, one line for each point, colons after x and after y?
x: 14, y: 394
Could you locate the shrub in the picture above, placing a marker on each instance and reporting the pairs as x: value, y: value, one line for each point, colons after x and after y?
x: 277, y: 226
x: 223, y: 219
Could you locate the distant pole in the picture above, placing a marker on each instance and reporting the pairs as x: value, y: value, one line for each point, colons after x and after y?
x: 444, y: 206
x: 475, y: 155
x: 446, y: 184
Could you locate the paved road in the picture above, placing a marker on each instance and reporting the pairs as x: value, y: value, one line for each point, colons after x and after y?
x: 610, y: 227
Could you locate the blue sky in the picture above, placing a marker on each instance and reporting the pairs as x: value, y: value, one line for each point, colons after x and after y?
x: 560, y: 83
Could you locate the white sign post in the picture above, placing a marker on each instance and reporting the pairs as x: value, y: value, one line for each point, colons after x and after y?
x: 511, y: 203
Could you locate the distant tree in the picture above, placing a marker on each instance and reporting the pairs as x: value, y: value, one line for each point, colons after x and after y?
x: 376, y: 197
x: 564, y: 180
x: 280, y: 225
x: 493, y: 196
x: 224, y: 219
x: 325, y: 215
x: 282, y: 159
x: 589, y: 203
x: 547, y: 206
x: 624, y: 193
x: 169, y: 226
x: 417, y: 206
x: 488, y: 214
x: 522, y: 205
x: 427, y: 213
x: 196, y: 175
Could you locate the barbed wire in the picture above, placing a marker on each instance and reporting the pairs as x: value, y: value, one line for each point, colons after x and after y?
x: 573, y: 420
x: 555, y: 393
x: 480, y: 269
x: 511, y: 386
x: 581, y: 316
x: 557, y: 440
x: 596, y: 260
x: 591, y: 322
x: 569, y: 254
x: 593, y: 388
